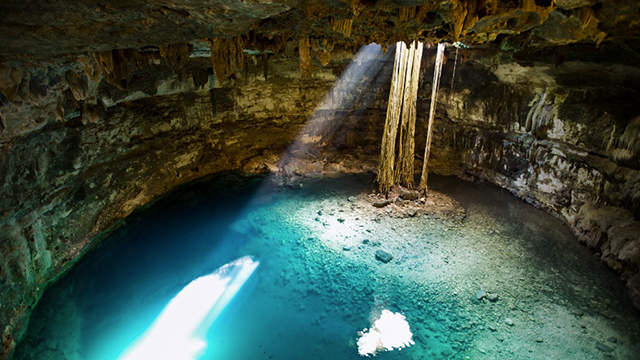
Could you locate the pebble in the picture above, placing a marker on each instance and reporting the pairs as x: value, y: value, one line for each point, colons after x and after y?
x: 539, y: 340
x: 509, y: 322
x: 492, y: 297
x: 480, y: 295
x: 603, y: 347
x: 383, y: 256
x: 351, y: 199
x: 381, y: 203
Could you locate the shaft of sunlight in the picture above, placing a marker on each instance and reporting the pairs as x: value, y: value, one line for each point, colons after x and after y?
x: 179, y: 331
x: 351, y: 92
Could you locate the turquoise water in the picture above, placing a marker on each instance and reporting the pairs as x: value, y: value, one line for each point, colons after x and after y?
x: 319, y: 283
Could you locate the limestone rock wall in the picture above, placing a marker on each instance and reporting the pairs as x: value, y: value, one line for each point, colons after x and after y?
x: 563, y: 138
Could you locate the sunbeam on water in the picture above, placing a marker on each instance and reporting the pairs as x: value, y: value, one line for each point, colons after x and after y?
x: 179, y: 332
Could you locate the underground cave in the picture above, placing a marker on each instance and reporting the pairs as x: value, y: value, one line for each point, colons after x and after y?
x: 402, y: 179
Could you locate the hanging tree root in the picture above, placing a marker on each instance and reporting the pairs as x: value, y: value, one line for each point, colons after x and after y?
x: 432, y: 111
x: 399, y: 129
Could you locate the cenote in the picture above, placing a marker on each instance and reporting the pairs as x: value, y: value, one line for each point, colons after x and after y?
x: 279, y: 180
x: 485, y: 277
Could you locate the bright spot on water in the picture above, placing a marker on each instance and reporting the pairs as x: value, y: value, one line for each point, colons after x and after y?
x: 391, y: 331
x: 179, y: 331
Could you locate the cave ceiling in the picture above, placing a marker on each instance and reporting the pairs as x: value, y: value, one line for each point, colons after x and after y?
x: 46, y: 28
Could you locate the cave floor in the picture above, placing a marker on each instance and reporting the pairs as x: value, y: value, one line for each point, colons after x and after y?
x: 497, y: 280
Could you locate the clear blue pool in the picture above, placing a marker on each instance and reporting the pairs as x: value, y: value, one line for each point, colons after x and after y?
x: 319, y: 282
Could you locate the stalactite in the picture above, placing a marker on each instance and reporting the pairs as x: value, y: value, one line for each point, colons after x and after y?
x: 416, y: 13
x: 407, y: 13
x: 304, y: 50
x: 590, y: 25
x: 200, y: 78
x: 114, y: 66
x: 226, y: 56
x: 91, y: 69
x: 89, y: 115
x: 78, y: 84
x: 324, y: 56
x: 459, y: 14
x: 175, y: 55
x: 322, y: 50
x: 437, y: 70
x: 342, y: 26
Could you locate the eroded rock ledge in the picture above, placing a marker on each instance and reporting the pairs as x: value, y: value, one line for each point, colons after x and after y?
x: 82, y: 155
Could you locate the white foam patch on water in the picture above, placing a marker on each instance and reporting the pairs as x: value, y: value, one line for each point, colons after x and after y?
x: 390, y: 332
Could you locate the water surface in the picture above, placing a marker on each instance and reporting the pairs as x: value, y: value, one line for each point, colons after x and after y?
x: 319, y: 283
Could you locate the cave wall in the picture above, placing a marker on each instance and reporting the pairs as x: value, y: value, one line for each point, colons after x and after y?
x: 81, y: 155
x: 563, y: 137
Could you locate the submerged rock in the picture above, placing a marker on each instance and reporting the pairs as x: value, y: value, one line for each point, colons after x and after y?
x: 381, y: 203
x: 480, y: 295
x: 603, y: 347
x: 383, y: 256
